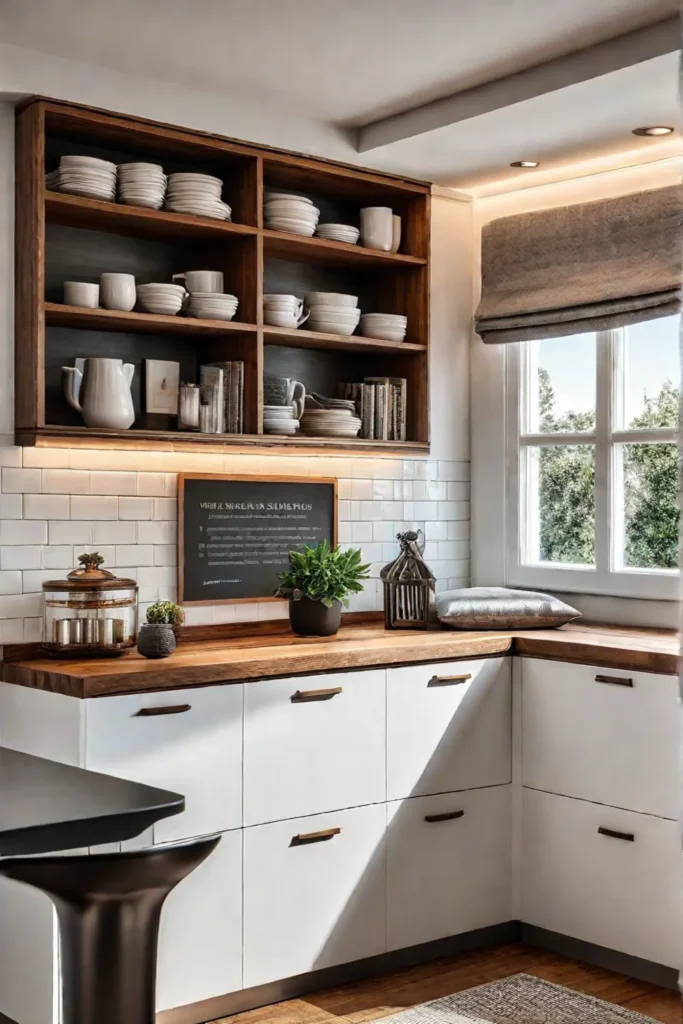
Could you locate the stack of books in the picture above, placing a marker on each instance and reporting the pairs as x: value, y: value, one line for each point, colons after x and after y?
x: 381, y: 403
x: 225, y: 383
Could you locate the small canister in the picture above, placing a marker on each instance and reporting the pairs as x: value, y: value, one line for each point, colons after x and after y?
x: 62, y: 631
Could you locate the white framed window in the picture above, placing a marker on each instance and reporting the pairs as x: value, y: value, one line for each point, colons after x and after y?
x: 591, y: 462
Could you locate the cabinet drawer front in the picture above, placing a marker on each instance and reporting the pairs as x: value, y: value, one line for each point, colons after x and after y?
x: 448, y: 727
x: 607, y: 876
x: 607, y: 736
x: 461, y: 843
x: 193, y: 748
x: 200, y: 937
x: 313, y: 902
x: 313, y: 744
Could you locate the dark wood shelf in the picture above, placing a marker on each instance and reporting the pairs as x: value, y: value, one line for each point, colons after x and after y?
x: 175, y: 440
x: 283, y: 246
x: 57, y: 315
x: 293, y: 337
x: 116, y: 218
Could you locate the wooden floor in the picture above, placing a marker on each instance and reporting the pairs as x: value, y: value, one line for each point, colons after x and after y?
x: 378, y: 997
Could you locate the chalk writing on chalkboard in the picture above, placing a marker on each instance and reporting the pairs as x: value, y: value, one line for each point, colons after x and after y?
x: 235, y: 534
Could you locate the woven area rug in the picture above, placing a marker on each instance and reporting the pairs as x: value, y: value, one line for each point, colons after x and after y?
x: 519, y: 999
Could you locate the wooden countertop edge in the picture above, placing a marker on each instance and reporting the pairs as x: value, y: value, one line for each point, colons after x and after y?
x: 205, y: 663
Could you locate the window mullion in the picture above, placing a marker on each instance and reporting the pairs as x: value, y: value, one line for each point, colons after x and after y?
x: 607, y: 342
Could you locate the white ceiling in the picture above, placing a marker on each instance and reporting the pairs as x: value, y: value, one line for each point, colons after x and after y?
x: 345, y: 61
x: 352, y: 62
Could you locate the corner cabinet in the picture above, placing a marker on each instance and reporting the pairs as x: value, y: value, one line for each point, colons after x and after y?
x: 69, y: 237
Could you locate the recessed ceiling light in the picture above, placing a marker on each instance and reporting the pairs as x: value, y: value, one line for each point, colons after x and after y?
x: 524, y: 163
x: 654, y: 129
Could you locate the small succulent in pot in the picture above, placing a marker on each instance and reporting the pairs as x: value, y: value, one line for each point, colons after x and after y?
x: 318, y: 582
x: 156, y: 638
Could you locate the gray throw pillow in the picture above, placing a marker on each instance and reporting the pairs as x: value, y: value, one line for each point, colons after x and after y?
x: 501, y: 608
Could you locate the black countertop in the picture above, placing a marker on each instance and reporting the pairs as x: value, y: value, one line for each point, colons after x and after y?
x: 46, y: 806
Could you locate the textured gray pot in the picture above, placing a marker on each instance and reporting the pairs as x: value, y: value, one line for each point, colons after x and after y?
x: 313, y: 618
x: 156, y: 640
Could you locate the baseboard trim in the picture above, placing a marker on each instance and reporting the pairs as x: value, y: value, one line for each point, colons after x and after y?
x: 600, y: 956
x: 330, y: 977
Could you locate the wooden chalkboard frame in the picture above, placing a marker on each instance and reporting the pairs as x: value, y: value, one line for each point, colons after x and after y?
x: 242, y: 478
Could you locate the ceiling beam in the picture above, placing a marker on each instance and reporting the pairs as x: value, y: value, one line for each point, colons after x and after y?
x: 592, y: 62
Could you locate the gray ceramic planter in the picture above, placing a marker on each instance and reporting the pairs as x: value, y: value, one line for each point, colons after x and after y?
x: 313, y: 618
x: 156, y: 640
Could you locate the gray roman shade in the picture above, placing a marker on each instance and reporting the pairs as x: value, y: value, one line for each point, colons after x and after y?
x: 587, y: 267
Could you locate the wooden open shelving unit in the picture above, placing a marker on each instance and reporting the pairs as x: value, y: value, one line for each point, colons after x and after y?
x: 63, y: 237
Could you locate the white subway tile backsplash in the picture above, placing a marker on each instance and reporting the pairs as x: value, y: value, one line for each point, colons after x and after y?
x: 113, y: 483
x: 134, y: 554
x: 165, y: 554
x: 453, y: 509
x: 20, y: 531
x: 66, y: 481
x: 344, y: 532
x: 425, y: 510
x: 11, y: 631
x: 437, y: 490
x: 156, y: 576
x: 157, y: 532
x: 60, y: 556
x: 10, y: 580
x: 164, y: 508
x: 458, y: 490
x: 10, y: 457
x: 21, y: 556
x: 150, y: 485
x: 95, y: 506
x: 456, y: 549
x: 22, y: 605
x: 370, y: 510
x: 361, y: 490
x: 136, y: 508
x: 11, y: 506
x: 33, y: 630
x: 42, y: 506
x: 382, y: 490
x: 344, y: 490
x: 45, y: 458
x: 106, y: 532
x: 78, y: 533
x: 33, y: 580
x: 361, y: 532
x: 436, y: 530
x: 21, y: 481
x: 383, y: 531
x: 458, y: 529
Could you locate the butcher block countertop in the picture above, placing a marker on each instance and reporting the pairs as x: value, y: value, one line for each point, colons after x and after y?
x: 242, y: 658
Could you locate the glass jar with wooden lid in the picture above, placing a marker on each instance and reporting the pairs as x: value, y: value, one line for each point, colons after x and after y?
x: 92, y: 613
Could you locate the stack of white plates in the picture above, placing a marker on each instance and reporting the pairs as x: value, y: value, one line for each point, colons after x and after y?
x: 84, y: 176
x: 199, y: 194
x: 285, y: 212
x: 338, y: 233
x: 332, y: 312
x: 142, y: 184
x: 279, y: 419
x: 330, y: 423
x: 212, y: 305
x: 161, y: 298
x: 387, y: 326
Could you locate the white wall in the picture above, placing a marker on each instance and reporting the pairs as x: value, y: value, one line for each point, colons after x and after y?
x: 488, y: 390
x: 55, y: 503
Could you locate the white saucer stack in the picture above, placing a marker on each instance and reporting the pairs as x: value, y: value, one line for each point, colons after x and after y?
x: 295, y: 214
x: 142, y: 184
x: 84, y: 176
x: 199, y: 194
x: 330, y: 423
x: 280, y: 419
x: 161, y: 298
x: 212, y: 305
x: 386, y: 326
x: 338, y: 233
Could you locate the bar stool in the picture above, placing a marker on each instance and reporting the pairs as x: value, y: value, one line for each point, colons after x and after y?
x: 108, y: 907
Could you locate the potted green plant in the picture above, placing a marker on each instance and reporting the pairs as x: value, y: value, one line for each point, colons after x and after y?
x: 318, y: 582
x: 157, y: 636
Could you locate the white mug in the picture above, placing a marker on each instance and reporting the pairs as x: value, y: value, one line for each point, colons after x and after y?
x: 376, y: 227
x: 81, y: 293
x: 118, y: 291
x: 285, y: 317
x: 201, y: 280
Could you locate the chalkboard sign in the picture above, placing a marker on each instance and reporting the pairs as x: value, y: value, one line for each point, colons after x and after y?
x: 235, y: 533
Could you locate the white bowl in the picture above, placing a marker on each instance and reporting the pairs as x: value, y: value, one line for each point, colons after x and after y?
x: 331, y: 327
x: 386, y: 321
x: 88, y: 162
x: 382, y: 333
x: 290, y: 218
x: 330, y: 299
x: 287, y: 195
x: 334, y: 313
x: 154, y: 304
x: 194, y: 176
x: 307, y: 230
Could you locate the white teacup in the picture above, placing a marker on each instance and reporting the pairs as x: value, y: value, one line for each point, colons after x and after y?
x: 201, y: 280
x: 117, y: 291
x: 82, y: 293
x: 284, y: 317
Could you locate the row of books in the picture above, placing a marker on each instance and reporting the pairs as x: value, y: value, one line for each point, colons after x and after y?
x: 223, y: 385
x: 381, y: 404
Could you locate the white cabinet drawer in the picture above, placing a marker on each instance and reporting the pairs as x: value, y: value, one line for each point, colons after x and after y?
x: 200, y: 938
x: 609, y: 891
x: 196, y: 750
x: 604, y: 741
x: 313, y: 903
x: 307, y: 751
x: 448, y: 727
x: 451, y: 875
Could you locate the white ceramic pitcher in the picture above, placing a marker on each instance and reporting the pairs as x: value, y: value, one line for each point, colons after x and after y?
x: 101, y: 393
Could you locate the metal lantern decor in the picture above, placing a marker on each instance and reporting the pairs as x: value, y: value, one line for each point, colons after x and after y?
x: 407, y: 583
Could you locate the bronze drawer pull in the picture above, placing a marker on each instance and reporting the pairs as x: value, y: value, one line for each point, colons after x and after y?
x: 611, y: 833
x: 303, y: 695
x: 614, y: 680
x: 449, y: 680
x: 168, y: 709
x: 448, y: 816
x: 315, y: 837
